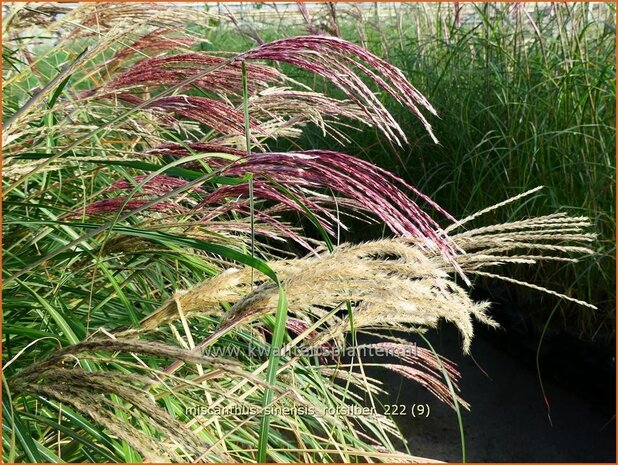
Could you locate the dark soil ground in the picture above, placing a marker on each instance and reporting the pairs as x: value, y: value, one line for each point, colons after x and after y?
x: 508, y: 420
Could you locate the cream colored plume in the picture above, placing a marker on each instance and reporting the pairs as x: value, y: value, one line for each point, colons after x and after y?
x: 390, y: 284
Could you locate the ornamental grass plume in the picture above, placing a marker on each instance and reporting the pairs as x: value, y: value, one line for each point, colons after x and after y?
x: 159, y: 40
x: 367, y: 187
x: 171, y: 70
x: 98, y: 18
x: 343, y: 63
x: 392, y: 283
x: 309, y: 175
x: 286, y: 108
x: 337, y: 60
x: 198, y: 434
x: 93, y: 393
x: 220, y: 116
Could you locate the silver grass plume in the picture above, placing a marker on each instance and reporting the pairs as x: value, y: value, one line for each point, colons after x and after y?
x: 393, y: 283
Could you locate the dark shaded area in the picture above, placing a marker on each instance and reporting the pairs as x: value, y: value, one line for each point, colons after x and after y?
x: 508, y: 420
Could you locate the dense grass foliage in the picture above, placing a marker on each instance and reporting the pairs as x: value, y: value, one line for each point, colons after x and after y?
x: 164, y: 170
x: 528, y: 101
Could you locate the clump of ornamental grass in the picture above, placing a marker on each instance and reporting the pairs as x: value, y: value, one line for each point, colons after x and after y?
x: 391, y: 286
x: 135, y: 164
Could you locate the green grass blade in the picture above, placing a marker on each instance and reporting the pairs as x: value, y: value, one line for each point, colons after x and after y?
x: 271, y: 374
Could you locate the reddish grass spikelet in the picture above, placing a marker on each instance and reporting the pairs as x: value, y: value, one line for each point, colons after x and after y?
x: 282, y: 101
x: 159, y: 185
x: 265, y: 217
x: 343, y: 63
x: 98, y: 18
x: 293, y: 108
x: 298, y: 327
x: 179, y: 151
x: 115, y: 204
x: 155, y: 41
x: 372, y: 188
x: 376, y: 190
x: 429, y: 381
x: 265, y: 191
x: 424, y: 367
x: 220, y: 116
x: 171, y: 70
x: 411, y: 354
